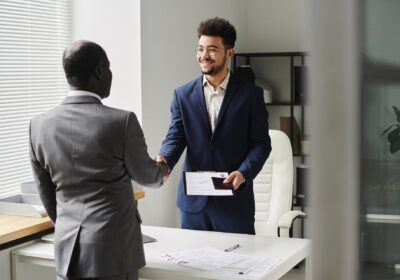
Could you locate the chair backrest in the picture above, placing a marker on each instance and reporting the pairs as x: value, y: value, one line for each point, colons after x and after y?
x: 273, y: 186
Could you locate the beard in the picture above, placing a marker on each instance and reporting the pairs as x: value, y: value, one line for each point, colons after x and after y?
x: 216, y: 69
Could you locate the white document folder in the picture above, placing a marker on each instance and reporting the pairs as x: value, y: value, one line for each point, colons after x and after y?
x: 201, y: 183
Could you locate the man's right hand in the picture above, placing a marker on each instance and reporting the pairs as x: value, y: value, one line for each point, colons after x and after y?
x: 165, y: 167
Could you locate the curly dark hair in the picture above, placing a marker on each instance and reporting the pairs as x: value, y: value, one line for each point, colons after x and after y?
x: 218, y: 27
x: 80, y: 64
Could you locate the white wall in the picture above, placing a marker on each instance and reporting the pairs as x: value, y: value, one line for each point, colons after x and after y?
x: 276, y: 26
x: 169, y: 37
x: 115, y: 25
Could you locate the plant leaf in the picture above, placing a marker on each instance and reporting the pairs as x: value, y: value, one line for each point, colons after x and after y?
x: 387, y: 129
x: 394, y: 139
x: 397, y: 112
x: 395, y: 146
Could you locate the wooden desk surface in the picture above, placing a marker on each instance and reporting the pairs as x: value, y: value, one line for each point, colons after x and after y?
x: 16, y: 227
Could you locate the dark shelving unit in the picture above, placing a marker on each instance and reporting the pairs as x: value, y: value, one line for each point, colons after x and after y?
x: 291, y: 103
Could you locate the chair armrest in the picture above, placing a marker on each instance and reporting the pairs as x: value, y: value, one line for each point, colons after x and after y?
x: 285, y: 222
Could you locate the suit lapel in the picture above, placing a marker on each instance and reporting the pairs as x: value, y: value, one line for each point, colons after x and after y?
x: 202, y: 104
x: 229, y: 94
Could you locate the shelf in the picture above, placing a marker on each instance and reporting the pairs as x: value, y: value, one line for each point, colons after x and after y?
x: 271, y: 54
x: 283, y: 104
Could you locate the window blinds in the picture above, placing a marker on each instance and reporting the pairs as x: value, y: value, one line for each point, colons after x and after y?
x: 33, y: 35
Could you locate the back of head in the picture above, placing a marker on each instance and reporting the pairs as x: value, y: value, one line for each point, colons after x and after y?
x: 218, y: 27
x: 80, y: 60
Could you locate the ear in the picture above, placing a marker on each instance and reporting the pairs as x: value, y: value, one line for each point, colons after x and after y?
x: 98, y: 72
x: 230, y: 53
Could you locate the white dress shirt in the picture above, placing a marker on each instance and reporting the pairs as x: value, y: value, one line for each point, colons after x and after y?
x: 82, y: 93
x: 214, y: 98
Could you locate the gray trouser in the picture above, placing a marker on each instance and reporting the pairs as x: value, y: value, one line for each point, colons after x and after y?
x: 131, y: 275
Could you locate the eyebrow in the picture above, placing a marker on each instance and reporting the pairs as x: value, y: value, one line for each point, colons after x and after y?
x: 210, y: 46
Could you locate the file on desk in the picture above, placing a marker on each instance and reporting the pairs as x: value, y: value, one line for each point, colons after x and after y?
x: 22, y: 205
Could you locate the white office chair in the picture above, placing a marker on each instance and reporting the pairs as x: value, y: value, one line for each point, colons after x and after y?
x: 273, y: 189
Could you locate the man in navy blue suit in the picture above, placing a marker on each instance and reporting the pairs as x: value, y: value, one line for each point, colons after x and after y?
x: 223, y: 123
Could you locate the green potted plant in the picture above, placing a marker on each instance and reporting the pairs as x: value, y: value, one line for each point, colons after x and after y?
x: 394, y: 135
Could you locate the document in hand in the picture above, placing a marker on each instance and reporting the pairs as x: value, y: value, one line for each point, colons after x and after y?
x: 202, y: 183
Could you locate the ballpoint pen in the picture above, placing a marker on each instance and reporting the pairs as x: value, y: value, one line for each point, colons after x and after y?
x: 232, y: 248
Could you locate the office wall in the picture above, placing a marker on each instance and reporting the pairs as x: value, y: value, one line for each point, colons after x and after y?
x: 276, y: 26
x: 115, y: 25
x: 168, y: 61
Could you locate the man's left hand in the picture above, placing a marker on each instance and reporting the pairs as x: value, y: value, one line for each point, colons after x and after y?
x: 236, y: 177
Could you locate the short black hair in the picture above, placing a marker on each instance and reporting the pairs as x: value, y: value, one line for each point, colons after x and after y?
x: 218, y: 27
x: 80, y: 62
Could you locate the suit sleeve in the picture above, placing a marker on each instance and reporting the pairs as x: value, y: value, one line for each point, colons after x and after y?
x: 260, y: 142
x: 175, y: 141
x: 46, y: 188
x: 142, y: 169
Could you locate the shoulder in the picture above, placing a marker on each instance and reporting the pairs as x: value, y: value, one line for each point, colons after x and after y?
x: 190, y: 86
x: 118, y: 114
x: 47, y: 116
x: 115, y: 111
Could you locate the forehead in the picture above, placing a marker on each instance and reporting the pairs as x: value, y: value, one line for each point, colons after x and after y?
x: 206, y: 41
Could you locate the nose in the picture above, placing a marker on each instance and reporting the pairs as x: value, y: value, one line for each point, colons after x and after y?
x: 204, y: 55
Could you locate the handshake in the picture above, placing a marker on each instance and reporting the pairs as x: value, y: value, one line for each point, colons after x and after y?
x: 235, y: 177
x: 166, y: 170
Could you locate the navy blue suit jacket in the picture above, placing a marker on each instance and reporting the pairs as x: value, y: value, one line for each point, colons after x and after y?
x: 240, y: 140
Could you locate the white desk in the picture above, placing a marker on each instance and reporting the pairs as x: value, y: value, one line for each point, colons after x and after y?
x: 290, y: 251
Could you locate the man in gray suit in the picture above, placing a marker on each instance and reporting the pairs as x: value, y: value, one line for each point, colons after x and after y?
x: 84, y: 155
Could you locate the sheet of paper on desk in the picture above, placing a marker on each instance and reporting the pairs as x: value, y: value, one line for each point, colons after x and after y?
x: 208, y: 259
x: 216, y: 261
x: 251, y: 266
x: 200, y: 183
x: 40, y: 209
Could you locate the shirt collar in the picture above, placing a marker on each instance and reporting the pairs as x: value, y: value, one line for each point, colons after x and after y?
x: 224, y: 83
x: 83, y: 93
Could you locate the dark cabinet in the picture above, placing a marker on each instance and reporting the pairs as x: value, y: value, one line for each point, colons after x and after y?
x: 242, y: 66
x: 297, y: 74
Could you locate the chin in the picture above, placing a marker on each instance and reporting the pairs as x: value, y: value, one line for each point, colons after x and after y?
x: 207, y: 71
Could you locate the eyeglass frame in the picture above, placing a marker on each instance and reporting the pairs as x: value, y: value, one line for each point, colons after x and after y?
x: 209, y: 50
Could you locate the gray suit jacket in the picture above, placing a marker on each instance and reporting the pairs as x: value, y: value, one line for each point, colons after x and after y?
x: 84, y: 155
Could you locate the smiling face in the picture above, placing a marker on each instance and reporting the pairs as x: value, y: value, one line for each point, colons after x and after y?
x: 212, y: 55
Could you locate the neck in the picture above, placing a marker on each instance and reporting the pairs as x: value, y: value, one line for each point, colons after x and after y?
x: 84, y: 88
x: 216, y: 80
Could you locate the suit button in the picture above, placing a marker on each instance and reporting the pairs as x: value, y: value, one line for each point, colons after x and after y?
x: 212, y: 147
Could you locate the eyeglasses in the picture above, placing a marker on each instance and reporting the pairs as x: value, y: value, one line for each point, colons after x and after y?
x: 212, y: 51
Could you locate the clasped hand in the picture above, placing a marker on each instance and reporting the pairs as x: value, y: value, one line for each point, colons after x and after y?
x: 166, y: 170
x: 236, y: 177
